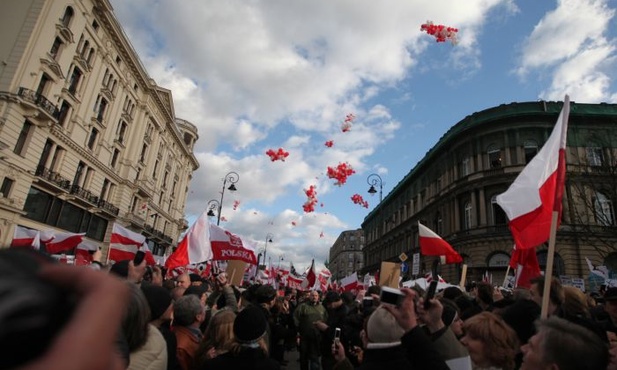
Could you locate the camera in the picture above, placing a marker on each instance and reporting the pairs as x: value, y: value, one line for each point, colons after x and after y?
x: 391, y: 296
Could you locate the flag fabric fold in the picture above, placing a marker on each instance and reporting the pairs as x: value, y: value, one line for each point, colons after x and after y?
x: 537, y: 191
x: 524, y: 262
x: 350, y: 282
x: 63, y: 242
x: 124, y: 243
x: 432, y: 244
x: 83, y: 252
x: 24, y: 237
x: 309, y: 280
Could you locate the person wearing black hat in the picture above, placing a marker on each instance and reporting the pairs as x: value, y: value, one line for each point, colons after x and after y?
x: 336, y: 318
x: 161, y: 307
x: 610, y: 308
x: 250, y: 350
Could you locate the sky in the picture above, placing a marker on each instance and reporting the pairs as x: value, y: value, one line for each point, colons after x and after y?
x: 256, y: 75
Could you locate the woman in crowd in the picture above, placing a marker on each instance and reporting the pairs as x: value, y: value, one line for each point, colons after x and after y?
x: 491, y: 343
x: 218, y: 337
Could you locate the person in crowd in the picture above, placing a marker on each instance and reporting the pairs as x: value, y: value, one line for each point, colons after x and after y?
x: 437, y: 320
x: 490, y: 341
x: 609, y: 319
x: 521, y: 316
x: 189, y: 313
x: 282, y: 326
x: 292, y: 303
x: 183, y: 281
x: 218, y: 338
x: 147, y: 347
x: 556, y: 296
x: 223, y: 295
x: 451, y: 317
x: 161, y: 309
x: 336, y: 318
x: 562, y: 345
x: 484, y: 296
x: 250, y: 348
x: 305, y: 315
x: 58, y: 302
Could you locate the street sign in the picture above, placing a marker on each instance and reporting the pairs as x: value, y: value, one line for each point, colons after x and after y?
x: 415, y: 265
x: 403, y: 257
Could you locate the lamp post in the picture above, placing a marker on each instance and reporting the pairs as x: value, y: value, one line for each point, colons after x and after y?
x: 375, y: 180
x: 212, y: 205
x: 233, y: 178
x: 269, y: 237
x: 281, y: 258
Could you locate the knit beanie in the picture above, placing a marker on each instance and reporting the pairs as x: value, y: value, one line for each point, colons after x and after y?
x: 265, y: 294
x: 383, y: 330
x: 159, y: 299
x: 250, y: 325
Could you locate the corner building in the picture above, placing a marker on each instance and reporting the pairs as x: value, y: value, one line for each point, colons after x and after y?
x: 87, y: 138
x: 452, y: 190
x: 346, y: 255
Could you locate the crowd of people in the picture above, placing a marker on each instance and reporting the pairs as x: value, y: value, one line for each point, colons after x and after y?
x: 128, y: 316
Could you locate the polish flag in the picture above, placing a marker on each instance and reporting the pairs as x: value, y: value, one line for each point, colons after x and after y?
x: 294, y: 282
x: 150, y: 261
x: 432, y: 244
x: 537, y: 191
x: 204, y: 241
x: 525, y: 264
x: 63, y: 242
x: 309, y: 279
x: 350, y: 282
x: 24, y: 237
x: 83, y: 252
x: 124, y: 243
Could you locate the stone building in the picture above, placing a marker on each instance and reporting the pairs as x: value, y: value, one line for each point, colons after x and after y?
x: 452, y: 190
x: 88, y: 139
x: 346, y: 254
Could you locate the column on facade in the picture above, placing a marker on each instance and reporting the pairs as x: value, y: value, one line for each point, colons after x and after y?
x: 482, y: 206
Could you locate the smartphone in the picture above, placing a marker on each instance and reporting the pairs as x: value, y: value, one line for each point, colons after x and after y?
x: 139, y: 257
x: 367, y: 302
x: 391, y: 296
x: 430, y: 294
x: 337, y: 335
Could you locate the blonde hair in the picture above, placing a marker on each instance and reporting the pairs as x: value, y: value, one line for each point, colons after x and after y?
x: 219, y: 334
x: 499, y: 339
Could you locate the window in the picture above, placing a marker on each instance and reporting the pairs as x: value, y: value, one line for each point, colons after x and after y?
x: 67, y: 17
x: 7, y: 185
x: 155, y: 170
x: 101, y: 110
x: 603, y: 206
x: 55, y: 48
x: 438, y: 224
x: 79, y: 173
x: 95, y: 25
x: 142, y: 156
x: 45, y: 153
x: 467, y: 216
x: 45, y: 80
x: 74, y: 80
x: 594, y: 156
x: 92, y: 139
x: 121, y: 131
x: 465, y: 167
x: 498, y: 214
x: 114, y: 158
x: 494, y: 157
x: 63, y: 113
x: 23, y: 137
x: 104, y: 189
x: 531, y: 149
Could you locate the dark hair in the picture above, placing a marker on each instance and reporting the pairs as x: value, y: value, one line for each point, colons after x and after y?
x: 556, y: 296
x: 136, y: 318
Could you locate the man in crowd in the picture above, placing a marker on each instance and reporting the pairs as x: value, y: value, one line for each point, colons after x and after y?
x: 305, y: 315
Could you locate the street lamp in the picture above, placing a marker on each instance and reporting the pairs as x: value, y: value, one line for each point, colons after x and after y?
x: 374, y: 180
x: 212, y: 205
x: 280, y: 259
x: 233, y: 178
x: 269, y: 237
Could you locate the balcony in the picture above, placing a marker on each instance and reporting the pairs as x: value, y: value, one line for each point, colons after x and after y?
x: 53, y: 178
x: 84, y: 194
x: 108, y: 207
x: 39, y: 101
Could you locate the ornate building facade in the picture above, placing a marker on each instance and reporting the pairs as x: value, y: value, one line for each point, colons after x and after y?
x: 87, y: 137
x: 452, y: 190
x: 346, y: 254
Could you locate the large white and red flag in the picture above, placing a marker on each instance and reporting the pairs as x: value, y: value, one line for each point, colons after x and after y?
x: 294, y: 282
x: 432, y: 244
x: 309, y: 280
x: 84, y: 251
x: 524, y: 262
x: 24, y: 237
x: 63, y: 242
x: 124, y: 243
x: 537, y: 191
x: 324, y: 279
x: 350, y: 282
x: 204, y: 241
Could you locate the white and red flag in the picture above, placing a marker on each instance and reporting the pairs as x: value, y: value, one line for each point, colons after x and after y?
x: 63, y: 242
x: 24, y: 237
x: 524, y: 262
x: 84, y: 251
x: 350, y: 282
x: 124, y: 243
x: 204, y: 241
x: 324, y: 279
x: 309, y: 280
x: 537, y: 191
x: 294, y: 282
x: 432, y: 244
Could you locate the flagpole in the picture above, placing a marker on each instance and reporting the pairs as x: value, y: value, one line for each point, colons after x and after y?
x: 548, y: 271
x: 505, y: 279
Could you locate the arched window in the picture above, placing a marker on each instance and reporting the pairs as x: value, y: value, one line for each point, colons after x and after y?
x: 531, y: 149
x: 559, y: 267
x: 603, y: 208
x: 467, y: 216
x: 494, y: 156
x: 67, y: 17
x: 497, y: 213
x: 438, y: 224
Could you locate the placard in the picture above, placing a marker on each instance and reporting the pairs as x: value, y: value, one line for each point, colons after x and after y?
x: 389, y: 274
x: 235, y: 272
